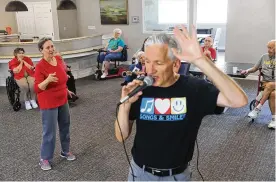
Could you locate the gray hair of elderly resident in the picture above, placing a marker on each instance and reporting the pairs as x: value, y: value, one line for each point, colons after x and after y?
x: 272, y: 41
x: 117, y: 30
x: 164, y: 39
x: 139, y: 54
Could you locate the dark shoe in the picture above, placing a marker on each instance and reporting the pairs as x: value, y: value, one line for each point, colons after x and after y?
x: 124, y: 83
x: 73, y: 98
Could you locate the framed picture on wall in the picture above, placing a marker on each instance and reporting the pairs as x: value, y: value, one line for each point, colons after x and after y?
x: 114, y: 12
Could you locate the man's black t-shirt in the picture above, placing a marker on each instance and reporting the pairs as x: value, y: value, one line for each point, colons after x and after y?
x: 168, y: 119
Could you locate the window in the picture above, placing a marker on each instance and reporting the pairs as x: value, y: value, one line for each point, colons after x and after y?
x: 211, y: 11
x: 172, y: 11
x: 163, y: 15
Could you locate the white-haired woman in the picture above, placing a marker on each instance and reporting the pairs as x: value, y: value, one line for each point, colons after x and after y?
x: 138, y: 69
x: 114, y: 51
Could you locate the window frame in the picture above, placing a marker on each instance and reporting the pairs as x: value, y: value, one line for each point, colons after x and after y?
x: 154, y: 31
x: 188, y: 17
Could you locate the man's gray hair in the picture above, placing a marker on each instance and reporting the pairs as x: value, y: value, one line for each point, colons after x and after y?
x: 164, y: 39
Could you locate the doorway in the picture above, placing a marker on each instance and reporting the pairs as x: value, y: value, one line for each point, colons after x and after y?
x: 37, y: 22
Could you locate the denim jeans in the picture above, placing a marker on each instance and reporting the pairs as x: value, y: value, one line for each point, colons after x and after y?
x: 50, y: 119
x: 130, y: 78
x: 108, y: 56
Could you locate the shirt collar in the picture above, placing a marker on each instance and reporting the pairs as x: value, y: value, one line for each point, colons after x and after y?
x: 271, y: 57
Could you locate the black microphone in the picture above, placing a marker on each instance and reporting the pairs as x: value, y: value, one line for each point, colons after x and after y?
x: 148, y: 81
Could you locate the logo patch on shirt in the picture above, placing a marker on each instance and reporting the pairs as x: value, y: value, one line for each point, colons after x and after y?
x: 147, y: 106
x: 163, y: 109
x: 162, y: 106
x: 178, y: 105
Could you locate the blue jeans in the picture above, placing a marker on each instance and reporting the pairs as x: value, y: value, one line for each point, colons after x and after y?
x: 141, y: 175
x: 107, y: 56
x: 50, y: 118
x: 130, y: 78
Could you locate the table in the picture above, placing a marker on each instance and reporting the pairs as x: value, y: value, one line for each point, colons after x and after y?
x: 6, y: 38
x: 227, y: 69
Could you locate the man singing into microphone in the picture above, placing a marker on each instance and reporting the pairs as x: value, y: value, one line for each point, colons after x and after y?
x: 169, y: 113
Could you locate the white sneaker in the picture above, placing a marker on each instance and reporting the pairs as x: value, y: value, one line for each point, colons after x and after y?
x: 34, y: 104
x: 254, y: 113
x: 272, y: 124
x: 28, y: 105
x: 103, y: 75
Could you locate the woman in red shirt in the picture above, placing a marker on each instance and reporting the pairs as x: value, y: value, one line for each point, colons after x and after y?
x: 23, y: 70
x: 51, y: 89
x: 208, y: 50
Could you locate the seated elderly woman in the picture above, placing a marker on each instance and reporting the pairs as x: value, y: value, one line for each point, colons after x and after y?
x: 136, y: 69
x: 23, y: 70
x: 135, y: 56
x: 114, y: 51
x: 208, y: 49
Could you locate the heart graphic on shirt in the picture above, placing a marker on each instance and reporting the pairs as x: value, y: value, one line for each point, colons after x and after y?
x: 162, y: 106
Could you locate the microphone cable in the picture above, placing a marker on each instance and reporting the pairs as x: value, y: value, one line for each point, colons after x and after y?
x: 117, y: 110
x: 197, y: 161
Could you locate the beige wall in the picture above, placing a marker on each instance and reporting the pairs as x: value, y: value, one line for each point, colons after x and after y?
x: 67, y: 19
x: 7, y: 18
x: 89, y: 15
x: 251, y: 24
x: 68, y: 27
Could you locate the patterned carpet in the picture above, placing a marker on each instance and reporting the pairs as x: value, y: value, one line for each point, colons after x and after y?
x: 229, y: 147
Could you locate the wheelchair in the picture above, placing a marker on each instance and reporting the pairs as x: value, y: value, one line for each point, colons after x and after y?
x: 13, y: 92
x: 260, y: 89
x: 113, y: 72
x: 71, y: 86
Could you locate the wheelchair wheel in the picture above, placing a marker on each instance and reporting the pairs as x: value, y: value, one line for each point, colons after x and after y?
x: 10, y: 90
x: 252, y: 104
x: 98, y: 74
x: 13, y: 93
x: 17, y: 105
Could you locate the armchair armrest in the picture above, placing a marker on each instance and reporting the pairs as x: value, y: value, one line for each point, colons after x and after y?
x: 99, y: 50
